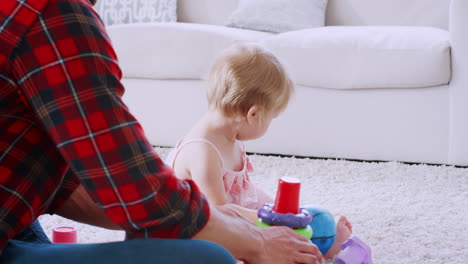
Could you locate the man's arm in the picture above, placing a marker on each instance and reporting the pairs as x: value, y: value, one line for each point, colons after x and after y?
x: 230, y: 229
x: 81, y: 208
x: 256, y: 245
x: 68, y: 72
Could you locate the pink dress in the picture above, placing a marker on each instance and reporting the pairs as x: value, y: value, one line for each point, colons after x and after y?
x: 237, y: 185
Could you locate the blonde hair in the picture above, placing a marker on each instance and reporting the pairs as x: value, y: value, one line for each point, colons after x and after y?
x: 247, y: 75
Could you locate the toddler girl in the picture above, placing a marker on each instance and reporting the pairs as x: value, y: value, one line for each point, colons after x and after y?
x: 248, y: 87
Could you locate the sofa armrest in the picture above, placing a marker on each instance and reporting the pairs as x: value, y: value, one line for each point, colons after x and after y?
x: 458, y: 145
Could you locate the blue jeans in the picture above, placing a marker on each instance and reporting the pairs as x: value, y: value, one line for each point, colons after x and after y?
x: 33, y: 246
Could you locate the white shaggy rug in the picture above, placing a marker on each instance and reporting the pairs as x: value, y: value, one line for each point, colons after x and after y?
x: 405, y: 213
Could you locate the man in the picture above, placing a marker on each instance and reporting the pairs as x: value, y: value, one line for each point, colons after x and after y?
x: 69, y: 145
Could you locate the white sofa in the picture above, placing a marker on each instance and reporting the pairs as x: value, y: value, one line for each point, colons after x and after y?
x: 383, y: 80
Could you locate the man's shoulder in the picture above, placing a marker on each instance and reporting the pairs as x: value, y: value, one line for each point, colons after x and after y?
x: 25, y: 12
x: 16, y: 17
x: 22, y: 14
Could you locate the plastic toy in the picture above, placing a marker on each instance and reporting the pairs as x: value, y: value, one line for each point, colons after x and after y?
x: 64, y: 235
x: 286, y: 211
x: 324, y: 227
x: 354, y: 251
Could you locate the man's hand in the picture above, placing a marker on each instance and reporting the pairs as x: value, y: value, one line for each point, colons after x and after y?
x: 274, y: 245
x: 283, y: 245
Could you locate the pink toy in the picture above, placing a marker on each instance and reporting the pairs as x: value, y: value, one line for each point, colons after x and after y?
x: 354, y: 251
x: 64, y: 235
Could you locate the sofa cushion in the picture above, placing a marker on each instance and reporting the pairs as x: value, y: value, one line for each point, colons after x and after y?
x: 136, y: 11
x: 173, y: 50
x: 434, y: 13
x: 365, y: 57
x: 278, y: 15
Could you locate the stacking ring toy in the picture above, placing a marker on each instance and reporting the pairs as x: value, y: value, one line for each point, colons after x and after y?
x: 286, y: 211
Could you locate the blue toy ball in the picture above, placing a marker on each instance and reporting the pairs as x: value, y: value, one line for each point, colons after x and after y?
x: 323, y: 226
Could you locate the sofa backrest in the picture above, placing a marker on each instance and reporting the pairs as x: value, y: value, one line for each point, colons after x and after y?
x: 433, y: 13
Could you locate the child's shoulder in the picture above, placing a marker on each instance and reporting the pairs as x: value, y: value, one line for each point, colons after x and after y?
x: 198, y: 147
x: 192, y: 155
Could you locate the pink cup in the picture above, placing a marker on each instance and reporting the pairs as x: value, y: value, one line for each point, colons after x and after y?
x: 64, y: 235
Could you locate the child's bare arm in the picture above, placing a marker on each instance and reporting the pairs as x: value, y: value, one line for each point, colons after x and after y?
x: 205, y: 168
x: 248, y: 213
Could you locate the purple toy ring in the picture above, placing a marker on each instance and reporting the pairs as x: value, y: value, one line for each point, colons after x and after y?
x: 269, y: 217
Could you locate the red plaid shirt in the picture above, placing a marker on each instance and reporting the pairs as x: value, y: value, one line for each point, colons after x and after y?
x: 63, y: 123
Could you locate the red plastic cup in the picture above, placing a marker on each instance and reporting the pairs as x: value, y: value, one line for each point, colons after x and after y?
x: 287, y: 196
x: 64, y: 235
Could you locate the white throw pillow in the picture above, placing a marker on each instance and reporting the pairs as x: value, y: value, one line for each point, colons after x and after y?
x: 278, y: 15
x: 136, y: 11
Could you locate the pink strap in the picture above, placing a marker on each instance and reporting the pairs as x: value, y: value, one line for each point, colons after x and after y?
x: 182, y: 144
x: 243, y: 147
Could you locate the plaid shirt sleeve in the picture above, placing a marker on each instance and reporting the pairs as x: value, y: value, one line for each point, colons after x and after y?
x: 68, y: 73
